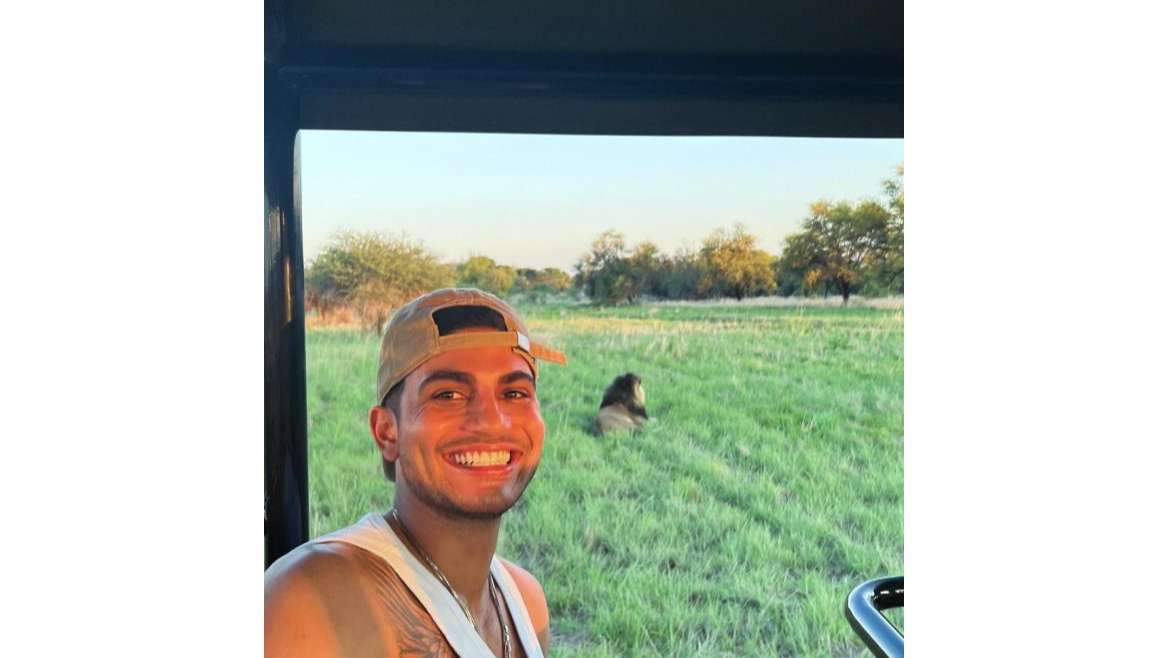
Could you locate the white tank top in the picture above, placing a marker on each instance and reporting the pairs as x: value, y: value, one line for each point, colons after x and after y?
x: 373, y: 534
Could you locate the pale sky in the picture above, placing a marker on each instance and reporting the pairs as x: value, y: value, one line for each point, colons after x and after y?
x: 539, y: 200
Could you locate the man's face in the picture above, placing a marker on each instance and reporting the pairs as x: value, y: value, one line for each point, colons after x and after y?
x: 469, y: 435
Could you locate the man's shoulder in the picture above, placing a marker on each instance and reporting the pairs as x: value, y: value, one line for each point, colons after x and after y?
x: 532, y: 592
x: 318, y: 564
x: 318, y: 603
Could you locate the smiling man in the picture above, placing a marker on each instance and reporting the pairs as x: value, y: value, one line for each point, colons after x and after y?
x: 460, y: 433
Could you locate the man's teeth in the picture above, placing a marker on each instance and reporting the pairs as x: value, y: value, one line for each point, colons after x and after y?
x: 494, y: 458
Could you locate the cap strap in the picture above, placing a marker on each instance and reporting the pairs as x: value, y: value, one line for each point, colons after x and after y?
x: 500, y: 339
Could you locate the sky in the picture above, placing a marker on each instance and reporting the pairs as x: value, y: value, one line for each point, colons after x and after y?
x: 539, y: 200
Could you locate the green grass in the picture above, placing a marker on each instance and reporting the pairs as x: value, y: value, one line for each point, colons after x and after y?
x: 768, y: 485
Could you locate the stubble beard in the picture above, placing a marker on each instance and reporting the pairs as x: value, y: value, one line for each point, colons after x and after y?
x: 441, y: 503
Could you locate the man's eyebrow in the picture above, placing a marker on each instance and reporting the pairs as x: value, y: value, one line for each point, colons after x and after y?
x: 446, y: 375
x: 517, y: 376
x: 468, y: 380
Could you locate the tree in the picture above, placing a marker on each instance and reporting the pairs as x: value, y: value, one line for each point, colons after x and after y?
x: 682, y: 274
x: 552, y: 279
x: 837, y: 246
x: 483, y: 273
x: 371, y: 274
x: 735, y: 266
x: 547, y: 280
x: 646, y: 270
x: 889, y: 268
x: 605, y: 271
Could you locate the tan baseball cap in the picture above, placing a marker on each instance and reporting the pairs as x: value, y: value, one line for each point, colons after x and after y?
x: 412, y: 335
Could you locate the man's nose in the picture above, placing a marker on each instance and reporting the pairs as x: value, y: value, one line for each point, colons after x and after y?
x: 486, y: 415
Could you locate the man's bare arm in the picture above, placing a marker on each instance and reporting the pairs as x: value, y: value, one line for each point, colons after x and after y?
x: 537, y: 605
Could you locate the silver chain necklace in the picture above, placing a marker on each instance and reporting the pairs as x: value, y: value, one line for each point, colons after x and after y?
x: 442, y: 579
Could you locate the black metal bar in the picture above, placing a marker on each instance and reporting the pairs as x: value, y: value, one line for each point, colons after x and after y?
x: 584, y: 94
x: 863, y: 610
x: 742, y: 79
x: 285, y: 415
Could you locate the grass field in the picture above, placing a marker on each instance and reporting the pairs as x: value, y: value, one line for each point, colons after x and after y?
x: 768, y: 485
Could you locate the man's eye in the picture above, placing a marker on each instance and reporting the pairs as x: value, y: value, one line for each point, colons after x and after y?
x: 516, y: 395
x: 447, y: 395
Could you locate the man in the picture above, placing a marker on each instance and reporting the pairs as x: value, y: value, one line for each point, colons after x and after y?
x: 460, y: 433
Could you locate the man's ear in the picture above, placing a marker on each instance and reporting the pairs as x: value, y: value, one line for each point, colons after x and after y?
x: 383, y: 425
